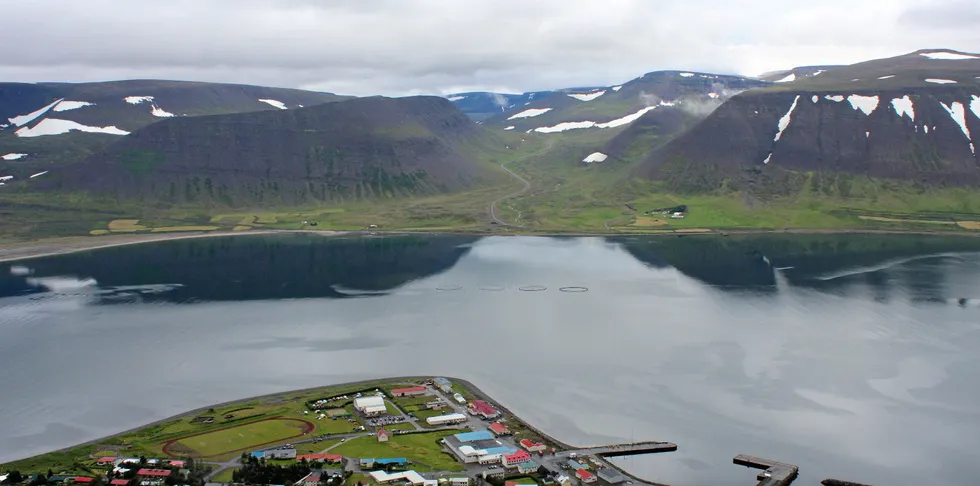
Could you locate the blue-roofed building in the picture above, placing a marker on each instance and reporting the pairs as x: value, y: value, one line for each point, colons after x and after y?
x: 258, y: 454
x: 441, y: 381
x: 398, y: 460
x: 474, y: 436
x: 575, y: 465
x: 371, y: 463
x: 527, y: 467
x: 500, y: 450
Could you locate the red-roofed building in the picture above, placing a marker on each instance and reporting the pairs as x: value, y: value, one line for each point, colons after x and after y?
x: 177, y: 463
x: 106, y: 460
x: 483, y: 409
x: 382, y: 435
x: 510, y: 483
x: 585, y: 476
x: 83, y: 479
x: 532, y: 446
x: 311, y: 480
x: 320, y: 457
x: 499, y: 429
x: 119, y: 482
x: 155, y: 473
x: 519, y: 457
x: 412, y: 391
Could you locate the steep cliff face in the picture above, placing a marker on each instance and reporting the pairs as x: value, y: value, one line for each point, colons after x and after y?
x: 920, y: 134
x: 362, y: 148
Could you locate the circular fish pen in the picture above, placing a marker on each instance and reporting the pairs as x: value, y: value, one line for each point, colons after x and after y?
x: 492, y: 288
x: 573, y: 289
x: 449, y: 288
x: 532, y: 288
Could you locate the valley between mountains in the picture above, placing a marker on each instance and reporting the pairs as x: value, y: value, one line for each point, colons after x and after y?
x: 888, y: 144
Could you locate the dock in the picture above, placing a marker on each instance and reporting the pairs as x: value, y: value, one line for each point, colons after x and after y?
x: 774, y: 473
x: 631, y: 449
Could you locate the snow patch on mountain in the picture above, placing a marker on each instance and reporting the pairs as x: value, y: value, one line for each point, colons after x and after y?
x: 786, y: 119
x: 510, y: 127
x: 6, y: 178
x: 39, y: 174
x: 160, y: 112
x: 926, y: 128
x: 626, y: 120
x: 72, y: 105
x: 13, y: 156
x: 958, y: 113
x: 565, y: 126
x: 617, y: 88
x: 55, y: 126
x: 940, y: 81
x: 587, y: 96
x: 834, y: 98
x: 948, y: 56
x: 819, y: 72
x: 788, y: 78
x: 713, y: 95
x: 595, y: 157
x: 276, y: 103
x: 814, y: 98
x: 767, y: 159
x: 456, y: 98
x: 887, y: 77
x: 975, y: 106
x: 686, y: 75
x: 867, y: 104
x: 22, y: 120
x: 135, y: 100
x: 904, y: 106
x: 530, y: 113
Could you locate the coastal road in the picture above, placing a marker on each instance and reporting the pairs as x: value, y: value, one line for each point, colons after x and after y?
x: 493, y: 205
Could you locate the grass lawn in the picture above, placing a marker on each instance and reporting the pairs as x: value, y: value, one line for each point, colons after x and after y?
x: 334, y: 426
x: 235, y: 438
x: 224, y: 476
x: 401, y: 426
x: 354, y: 479
x: 423, y: 449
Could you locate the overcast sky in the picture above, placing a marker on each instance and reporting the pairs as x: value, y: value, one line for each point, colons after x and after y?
x: 399, y: 47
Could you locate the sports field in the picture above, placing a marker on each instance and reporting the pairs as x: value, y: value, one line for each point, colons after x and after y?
x: 237, y: 438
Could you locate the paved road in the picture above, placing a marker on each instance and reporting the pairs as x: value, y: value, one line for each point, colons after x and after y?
x: 493, y: 205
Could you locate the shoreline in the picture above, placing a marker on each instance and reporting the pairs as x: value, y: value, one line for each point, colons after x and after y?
x: 15, y: 251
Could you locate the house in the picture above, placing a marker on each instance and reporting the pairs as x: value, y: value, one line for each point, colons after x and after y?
x: 119, y: 482
x: 532, y: 446
x: 83, y: 479
x: 370, y: 406
x: 513, y: 459
x: 677, y: 215
x: 473, y: 436
x: 106, y: 460
x: 258, y: 454
x: 610, y: 476
x: 572, y: 463
x: 153, y: 473
x: 459, y: 398
x: 585, y: 476
x: 177, y: 463
x: 382, y: 435
x: 527, y: 467
x: 311, y: 479
x: 412, y: 477
x: 320, y: 457
x: 499, y: 429
x: 413, y: 391
x: 443, y: 384
x: 283, y: 453
x: 371, y: 463
x: 483, y: 409
x: 436, y: 405
x: 493, y: 473
x: 459, y: 481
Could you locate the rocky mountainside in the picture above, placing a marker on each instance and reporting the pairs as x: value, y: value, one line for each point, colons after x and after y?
x: 797, y: 73
x: 481, y: 105
x: 914, y: 117
x: 343, y: 151
x: 46, y: 124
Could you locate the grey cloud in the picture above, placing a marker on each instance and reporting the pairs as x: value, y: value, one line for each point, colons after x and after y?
x: 955, y: 14
x: 438, y: 46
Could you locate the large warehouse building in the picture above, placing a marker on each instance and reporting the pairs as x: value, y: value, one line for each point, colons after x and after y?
x: 369, y: 406
x: 453, y: 418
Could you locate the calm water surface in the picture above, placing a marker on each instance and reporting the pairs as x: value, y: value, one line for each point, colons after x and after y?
x: 854, y: 357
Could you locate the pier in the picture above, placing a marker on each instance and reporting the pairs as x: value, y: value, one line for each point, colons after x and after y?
x: 775, y: 473
x: 616, y: 450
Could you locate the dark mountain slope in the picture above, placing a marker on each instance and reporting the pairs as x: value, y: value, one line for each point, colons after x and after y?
x: 902, y: 128
x: 56, y: 123
x: 480, y: 105
x: 370, y: 147
x: 796, y: 73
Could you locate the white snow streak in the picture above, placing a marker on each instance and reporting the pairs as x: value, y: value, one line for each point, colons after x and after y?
x: 54, y: 126
x: 595, y: 157
x: 159, y: 112
x: 533, y: 112
x: 276, y: 103
x: 5, y: 178
x: 903, y: 105
x: 867, y: 104
x: 135, y: 100
x: 587, y: 97
x: 867, y: 134
x: 940, y: 81
x: 975, y: 106
x: 790, y: 77
x: 713, y: 95
x: 768, y: 158
x: 784, y: 121
x: 958, y: 113
x: 887, y: 77
x: 510, y: 127
x: 819, y: 72
x: 834, y: 98
x: 926, y: 128
x: 38, y: 174
x: 71, y: 105
x: 564, y: 126
x: 617, y: 88
x: 25, y: 119
x: 814, y: 98
x: 948, y: 56
x: 13, y: 156
x: 687, y: 75
x: 456, y: 98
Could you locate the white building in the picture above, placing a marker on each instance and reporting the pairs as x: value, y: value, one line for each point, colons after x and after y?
x: 459, y: 398
x: 412, y: 477
x: 373, y: 405
x: 460, y: 481
x: 453, y: 418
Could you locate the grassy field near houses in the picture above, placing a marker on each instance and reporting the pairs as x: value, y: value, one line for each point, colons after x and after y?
x: 422, y: 449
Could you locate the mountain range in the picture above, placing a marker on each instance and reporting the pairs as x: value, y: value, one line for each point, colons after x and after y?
x: 910, y: 118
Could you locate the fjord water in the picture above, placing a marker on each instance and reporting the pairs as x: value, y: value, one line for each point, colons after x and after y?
x: 851, y: 356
